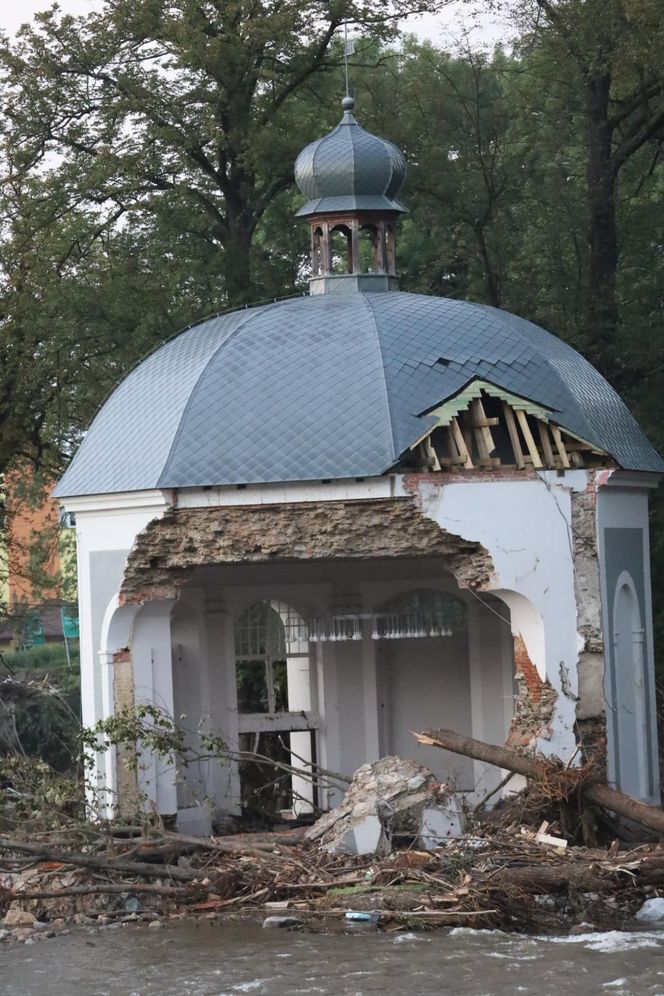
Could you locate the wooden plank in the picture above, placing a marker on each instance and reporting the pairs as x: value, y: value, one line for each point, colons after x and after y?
x: 480, y: 424
x: 530, y: 442
x: 514, y: 436
x: 430, y: 453
x: 460, y: 443
x: 560, y: 446
x: 278, y: 722
x: 547, y: 449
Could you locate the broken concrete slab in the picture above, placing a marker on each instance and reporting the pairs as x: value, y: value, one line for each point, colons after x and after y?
x: 439, y: 823
x: 393, y: 799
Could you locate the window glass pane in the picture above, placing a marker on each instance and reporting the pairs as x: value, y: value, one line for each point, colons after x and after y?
x: 252, y: 694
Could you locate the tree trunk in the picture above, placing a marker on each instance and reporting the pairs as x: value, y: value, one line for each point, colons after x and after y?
x: 602, y: 308
x: 237, y: 263
x: 503, y: 757
x: 491, y: 278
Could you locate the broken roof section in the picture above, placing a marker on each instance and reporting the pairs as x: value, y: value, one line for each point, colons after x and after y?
x: 331, y: 387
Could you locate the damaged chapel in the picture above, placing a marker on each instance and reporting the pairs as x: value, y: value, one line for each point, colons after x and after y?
x: 319, y: 524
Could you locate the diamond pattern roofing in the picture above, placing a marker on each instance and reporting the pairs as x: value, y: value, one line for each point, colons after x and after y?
x: 330, y: 387
x: 350, y: 170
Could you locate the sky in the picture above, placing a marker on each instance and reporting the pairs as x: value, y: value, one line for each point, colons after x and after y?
x: 443, y: 27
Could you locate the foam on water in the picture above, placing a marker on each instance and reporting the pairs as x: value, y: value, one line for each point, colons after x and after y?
x: 610, y: 940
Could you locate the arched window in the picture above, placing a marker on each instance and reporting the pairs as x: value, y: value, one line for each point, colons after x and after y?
x: 341, y: 249
x: 260, y: 660
x: 369, y: 255
x: 317, y: 263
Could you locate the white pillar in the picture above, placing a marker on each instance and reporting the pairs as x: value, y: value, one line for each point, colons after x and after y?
x: 106, y: 770
x: 219, y: 651
x: 329, y: 740
x: 153, y: 685
x: 371, y: 696
x: 298, y: 669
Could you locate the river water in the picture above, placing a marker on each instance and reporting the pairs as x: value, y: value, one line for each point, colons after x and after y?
x: 220, y: 958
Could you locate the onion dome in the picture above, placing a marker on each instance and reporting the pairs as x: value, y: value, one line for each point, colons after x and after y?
x: 350, y: 170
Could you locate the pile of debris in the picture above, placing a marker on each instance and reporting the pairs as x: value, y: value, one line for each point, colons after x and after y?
x: 395, y: 848
x: 393, y: 801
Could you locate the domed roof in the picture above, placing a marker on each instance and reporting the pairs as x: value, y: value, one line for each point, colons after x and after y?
x: 350, y: 170
x: 330, y: 387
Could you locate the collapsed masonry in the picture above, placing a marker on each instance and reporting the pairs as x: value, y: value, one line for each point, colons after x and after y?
x: 394, y: 802
x: 180, y: 549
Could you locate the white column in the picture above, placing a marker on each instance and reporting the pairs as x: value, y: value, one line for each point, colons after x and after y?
x: 329, y: 740
x: 219, y: 650
x: 371, y: 696
x: 108, y: 759
x: 298, y: 669
x: 153, y: 685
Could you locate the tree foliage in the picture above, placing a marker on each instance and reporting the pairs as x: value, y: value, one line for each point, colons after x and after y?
x: 147, y: 155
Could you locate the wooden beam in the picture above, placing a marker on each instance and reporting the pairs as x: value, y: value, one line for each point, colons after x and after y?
x: 514, y: 435
x: 546, y: 443
x: 560, y: 446
x: 430, y: 453
x: 460, y: 444
x: 530, y: 442
x: 485, y: 441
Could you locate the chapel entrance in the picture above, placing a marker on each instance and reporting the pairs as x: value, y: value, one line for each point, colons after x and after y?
x: 277, y: 730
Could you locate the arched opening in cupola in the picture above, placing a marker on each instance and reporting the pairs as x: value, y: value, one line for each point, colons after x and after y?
x: 341, y: 249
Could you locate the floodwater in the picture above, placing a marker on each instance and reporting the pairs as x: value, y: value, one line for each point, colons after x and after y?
x: 217, y: 958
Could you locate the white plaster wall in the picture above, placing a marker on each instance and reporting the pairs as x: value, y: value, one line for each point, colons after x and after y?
x: 103, y: 523
x: 427, y: 684
x: 526, y: 528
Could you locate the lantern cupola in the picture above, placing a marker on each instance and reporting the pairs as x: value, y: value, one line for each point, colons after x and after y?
x: 351, y: 180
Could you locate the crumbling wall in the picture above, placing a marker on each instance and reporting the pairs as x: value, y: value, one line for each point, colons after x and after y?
x: 167, y: 552
x: 591, y: 707
x: 590, y: 703
x: 123, y: 693
x: 534, y: 702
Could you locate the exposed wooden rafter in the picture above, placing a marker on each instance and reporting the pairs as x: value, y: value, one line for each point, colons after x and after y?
x: 485, y: 427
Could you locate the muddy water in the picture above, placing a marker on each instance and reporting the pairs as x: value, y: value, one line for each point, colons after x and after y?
x: 215, y: 959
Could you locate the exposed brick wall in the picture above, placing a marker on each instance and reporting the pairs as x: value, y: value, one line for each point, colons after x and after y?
x: 526, y: 670
x: 171, y: 548
x: 534, y: 702
x: 413, y: 482
x: 123, y: 691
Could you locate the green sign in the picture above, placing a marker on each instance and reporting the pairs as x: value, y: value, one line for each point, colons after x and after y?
x: 33, y: 632
x: 70, y: 628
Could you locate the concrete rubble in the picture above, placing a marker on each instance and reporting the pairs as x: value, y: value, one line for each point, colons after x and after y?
x: 391, y: 802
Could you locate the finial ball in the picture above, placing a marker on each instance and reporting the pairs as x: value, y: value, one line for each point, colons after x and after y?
x: 348, y: 103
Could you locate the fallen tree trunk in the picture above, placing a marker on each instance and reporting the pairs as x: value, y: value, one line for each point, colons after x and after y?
x: 142, y: 868
x: 503, y: 757
x: 110, y: 889
x: 590, y: 876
